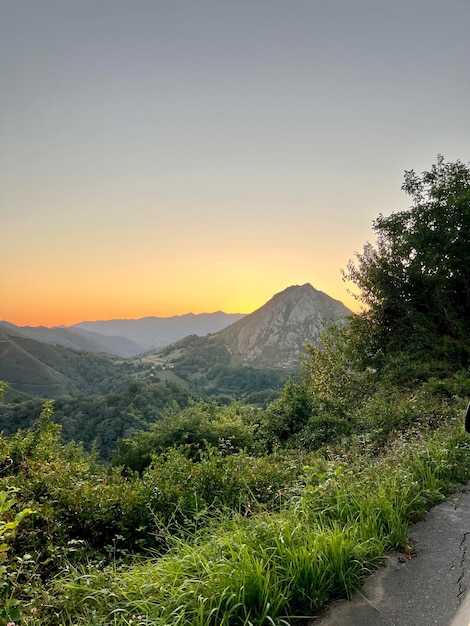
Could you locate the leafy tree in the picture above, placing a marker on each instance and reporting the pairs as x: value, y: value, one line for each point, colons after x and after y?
x: 3, y: 390
x: 340, y: 372
x: 415, y: 282
x: 415, y: 285
x: 314, y: 408
x: 289, y: 414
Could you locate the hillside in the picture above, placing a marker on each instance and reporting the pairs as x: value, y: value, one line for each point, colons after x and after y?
x: 78, y: 339
x: 98, y: 421
x: 37, y: 369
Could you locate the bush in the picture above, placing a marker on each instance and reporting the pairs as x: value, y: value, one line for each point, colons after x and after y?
x: 201, y: 425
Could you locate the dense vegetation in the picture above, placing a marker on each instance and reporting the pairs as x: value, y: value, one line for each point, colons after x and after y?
x: 99, y: 421
x: 416, y: 280
x: 241, y: 515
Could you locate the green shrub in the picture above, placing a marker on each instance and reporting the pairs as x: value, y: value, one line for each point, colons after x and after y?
x: 200, y: 425
x: 9, y: 566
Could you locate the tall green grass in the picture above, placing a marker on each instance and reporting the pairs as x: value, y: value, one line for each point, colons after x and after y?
x: 345, y: 513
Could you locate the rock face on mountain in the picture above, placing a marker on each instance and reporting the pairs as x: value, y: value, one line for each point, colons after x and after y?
x: 275, y: 334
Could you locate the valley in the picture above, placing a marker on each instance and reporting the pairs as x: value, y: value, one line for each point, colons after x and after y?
x: 254, y: 353
x: 95, y: 393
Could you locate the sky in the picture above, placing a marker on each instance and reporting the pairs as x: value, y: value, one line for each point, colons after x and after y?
x: 160, y: 157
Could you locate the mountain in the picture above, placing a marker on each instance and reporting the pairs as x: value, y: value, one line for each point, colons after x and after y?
x: 156, y: 332
x: 259, y: 351
x: 254, y: 355
x: 275, y: 334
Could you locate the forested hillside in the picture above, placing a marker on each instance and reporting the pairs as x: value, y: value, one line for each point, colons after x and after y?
x: 99, y: 421
x: 37, y: 369
x: 205, y: 364
x: 240, y: 515
x: 77, y: 339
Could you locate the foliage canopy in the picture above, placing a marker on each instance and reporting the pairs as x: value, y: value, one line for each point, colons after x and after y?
x: 415, y: 282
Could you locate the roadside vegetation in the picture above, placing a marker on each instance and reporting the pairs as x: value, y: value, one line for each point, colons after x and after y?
x: 242, y: 515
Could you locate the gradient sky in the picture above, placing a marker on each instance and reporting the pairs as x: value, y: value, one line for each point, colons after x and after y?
x: 165, y: 156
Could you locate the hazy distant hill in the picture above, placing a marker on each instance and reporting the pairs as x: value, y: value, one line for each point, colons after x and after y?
x: 256, y: 352
x: 78, y: 339
x: 127, y: 338
x: 35, y: 368
x: 156, y: 332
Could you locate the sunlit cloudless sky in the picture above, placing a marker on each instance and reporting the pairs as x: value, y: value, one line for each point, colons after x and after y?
x: 160, y: 157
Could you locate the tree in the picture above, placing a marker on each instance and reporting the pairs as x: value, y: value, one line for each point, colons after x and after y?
x: 415, y: 282
x: 3, y: 389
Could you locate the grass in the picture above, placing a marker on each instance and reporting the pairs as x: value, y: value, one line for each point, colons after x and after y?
x: 346, y: 512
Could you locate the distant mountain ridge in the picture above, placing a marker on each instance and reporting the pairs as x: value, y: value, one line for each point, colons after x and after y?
x: 77, y: 339
x: 127, y: 338
x: 156, y: 332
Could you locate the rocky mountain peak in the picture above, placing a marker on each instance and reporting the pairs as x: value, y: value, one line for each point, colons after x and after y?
x: 276, y: 333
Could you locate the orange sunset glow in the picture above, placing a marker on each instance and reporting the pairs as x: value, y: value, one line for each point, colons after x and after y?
x: 164, y: 159
x: 91, y: 290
